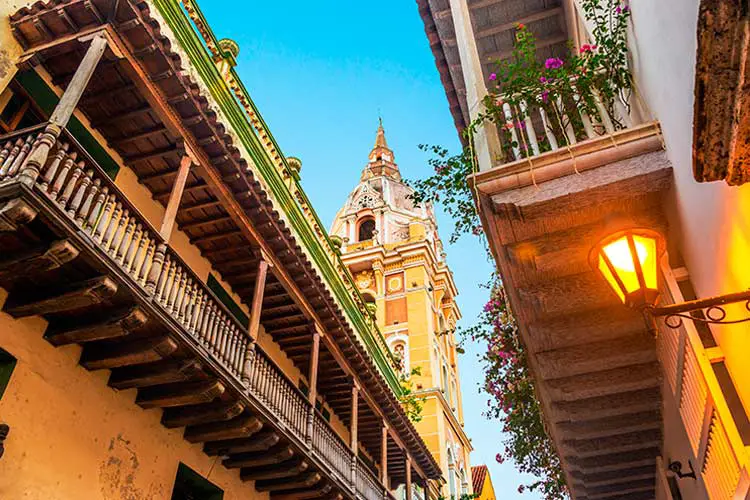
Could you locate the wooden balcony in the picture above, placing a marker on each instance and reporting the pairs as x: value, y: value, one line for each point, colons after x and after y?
x: 80, y: 253
x: 594, y: 361
x: 77, y: 252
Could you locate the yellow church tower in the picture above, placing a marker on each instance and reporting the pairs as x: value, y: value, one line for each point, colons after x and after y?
x: 394, y: 252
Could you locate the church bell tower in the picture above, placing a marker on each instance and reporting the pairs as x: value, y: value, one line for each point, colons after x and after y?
x: 393, y: 250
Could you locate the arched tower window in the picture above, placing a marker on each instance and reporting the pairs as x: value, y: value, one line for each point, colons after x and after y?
x: 366, y: 229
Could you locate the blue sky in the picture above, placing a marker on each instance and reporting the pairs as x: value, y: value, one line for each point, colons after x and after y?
x: 321, y: 73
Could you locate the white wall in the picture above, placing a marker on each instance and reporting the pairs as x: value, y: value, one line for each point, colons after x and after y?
x: 710, y: 220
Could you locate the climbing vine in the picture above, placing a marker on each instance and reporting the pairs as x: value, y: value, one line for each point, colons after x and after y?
x: 412, y: 404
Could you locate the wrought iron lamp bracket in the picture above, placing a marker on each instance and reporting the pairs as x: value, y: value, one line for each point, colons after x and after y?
x: 712, y: 307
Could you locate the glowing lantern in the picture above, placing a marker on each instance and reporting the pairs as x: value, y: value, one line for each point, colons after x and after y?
x: 629, y: 261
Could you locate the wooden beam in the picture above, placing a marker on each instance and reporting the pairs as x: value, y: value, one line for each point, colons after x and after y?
x: 135, y: 352
x: 156, y: 153
x: 39, y: 260
x: 239, y: 427
x: 217, y: 236
x: 179, y: 394
x: 384, y: 455
x: 175, y: 197
x: 98, y: 328
x: 161, y: 372
x: 528, y: 19
x: 201, y: 414
x: 290, y: 468
x: 277, y: 454
x: 319, y: 492
x: 199, y: 224
x: 303, y: 481
x: 79, y: 295
x: 407, y: 465
x: 260, y: 442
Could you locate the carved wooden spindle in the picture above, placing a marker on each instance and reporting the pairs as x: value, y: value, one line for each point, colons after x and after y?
x: 218, y: 329
x: 156, y: 264
x: 107, y: 212
x: 22, y: 154
x: 143, y: 259
x: 70, y: 185
x: 186, y: 305
x: 111, y: 233
x: 11, y: 156
x: 196, y: 315
x: 213, y: 327
x: 59, y: 183
x: 86, y: 208
x: 180, y: 293
x: 5, y: 151
x: 136, y: 243
x: 122, y: 248
x: 49, y: 174
x: 162, y: 290
x: 233, y: 361
x: 119, y: 235
x: 82, y: 190
x: 177, y: 283
x: 224, y: 340
x: 203, y: 318
x: 209, y: 323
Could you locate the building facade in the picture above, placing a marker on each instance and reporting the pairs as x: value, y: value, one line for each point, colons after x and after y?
x: 638, y: 407
x: 393, y: 250
x: 175, y: 320
x: 482, y: 483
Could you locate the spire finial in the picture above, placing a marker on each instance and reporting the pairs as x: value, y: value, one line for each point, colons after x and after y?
x: 380, y: 141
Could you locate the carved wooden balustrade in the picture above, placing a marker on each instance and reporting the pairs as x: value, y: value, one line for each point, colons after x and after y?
x: 368, y: 487
x: 83, y: 193
x: 328, y: 444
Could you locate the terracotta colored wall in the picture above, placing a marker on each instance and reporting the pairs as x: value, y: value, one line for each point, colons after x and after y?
x: 72, y: 437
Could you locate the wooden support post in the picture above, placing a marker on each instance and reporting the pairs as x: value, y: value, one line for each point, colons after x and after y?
x: 254, y: 327
x: 63, y: 111
x: 384, y: 456
x: 313, y: 378
x: 175, y: 197
x: 407, y: 458
x: 354, y: 431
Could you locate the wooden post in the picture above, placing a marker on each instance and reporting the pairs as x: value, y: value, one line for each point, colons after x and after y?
x: 254, y: 327
x: 167, y: 223
x: 407, y: 457
x: 384, y: 456
x: 63, y: 111
x: 313, y: 378
x: 354, y: 431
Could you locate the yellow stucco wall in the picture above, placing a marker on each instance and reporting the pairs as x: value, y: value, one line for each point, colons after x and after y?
x: 488, y: 490
x: 73, y: 437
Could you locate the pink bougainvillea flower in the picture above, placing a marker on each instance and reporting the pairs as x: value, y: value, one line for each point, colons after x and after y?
x: 545, y: 96
x: 508, y: 126
x: 499, y: 101
x: 477, y: 230
x: 521, y: 26
x: 553, y: 63
x: 499, y: 458
x: 543, y: 79
x: 586, y: 48
x: 618, y: 9
x: 493, y: 77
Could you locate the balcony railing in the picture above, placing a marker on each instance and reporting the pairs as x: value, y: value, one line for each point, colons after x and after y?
x: 717, y: 447
x: 368, y: 487
x: 328, y: 444
x: 84, y: 194
x: 530, y: 130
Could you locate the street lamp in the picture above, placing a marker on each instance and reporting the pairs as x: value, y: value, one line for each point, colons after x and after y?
x: 629, y: 261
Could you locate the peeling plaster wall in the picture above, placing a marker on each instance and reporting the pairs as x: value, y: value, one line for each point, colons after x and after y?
x: 711, y: 221
x: 72, y: 437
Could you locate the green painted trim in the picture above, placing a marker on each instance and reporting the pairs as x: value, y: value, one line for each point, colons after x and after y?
x: 194, y: 46
x: 47, y: 99
x: 213, y: 284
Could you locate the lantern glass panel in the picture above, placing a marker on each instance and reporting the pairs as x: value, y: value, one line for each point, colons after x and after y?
x: 618, y: 253
x: 604, y: 269
x: 648, y: 259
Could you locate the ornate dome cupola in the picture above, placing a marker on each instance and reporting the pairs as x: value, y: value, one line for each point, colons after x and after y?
x: 382, y: 161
